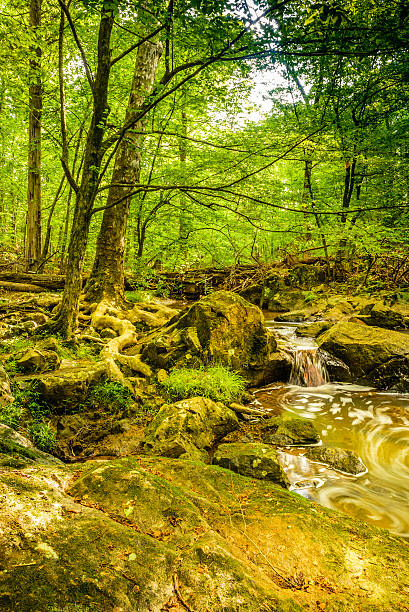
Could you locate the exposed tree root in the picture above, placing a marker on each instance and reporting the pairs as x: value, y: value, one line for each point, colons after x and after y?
x: 111, y: 353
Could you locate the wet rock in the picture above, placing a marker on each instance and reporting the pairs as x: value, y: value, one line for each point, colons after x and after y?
x: 19, y: 448
x: 338, y: 371
x: 284, y: 301
x: 222, y: 328
x: 289, y: 431
x: 278, y: 369
x: 392, y: 375
x: 337, y: 458
x: 294, y: 316
x: 38, y: 361
x: 189, y: 427
x: 362, y: 347
x: 313, y: 329
x: 254, y: 460
x: 388, y: 317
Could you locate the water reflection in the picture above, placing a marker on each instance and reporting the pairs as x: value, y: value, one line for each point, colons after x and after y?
x: 373, y: 424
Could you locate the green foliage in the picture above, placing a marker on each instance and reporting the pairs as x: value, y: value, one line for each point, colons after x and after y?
x: 217, y: 383
x: 42, y: 436
x: 10, y: 415
x: 109, y: 396
x: 72, y: 351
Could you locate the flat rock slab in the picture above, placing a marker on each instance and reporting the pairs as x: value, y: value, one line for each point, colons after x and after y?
x: 140, y: 533
x: 286, y: 430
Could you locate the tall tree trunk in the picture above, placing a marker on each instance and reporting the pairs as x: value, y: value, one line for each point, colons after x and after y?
x: 183, y: 219
x: 33, y: 231
x: 107, y: 277
x: 65, y: 321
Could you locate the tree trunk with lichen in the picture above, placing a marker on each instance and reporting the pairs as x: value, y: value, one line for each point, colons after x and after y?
x: 33, y: 226
x: 106, y: 281
x: 65, y: 320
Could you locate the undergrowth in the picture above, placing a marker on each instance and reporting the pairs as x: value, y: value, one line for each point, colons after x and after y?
x: 216, y: 382
x: 108, y: 395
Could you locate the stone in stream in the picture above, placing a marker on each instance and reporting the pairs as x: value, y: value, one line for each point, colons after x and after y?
x: 363, y: 348
x: 339, y: 459
x: 313, y: 329
x: 337, y: 370
x: 253, y: 460
x: 296, y: 316
x: 286, y: 430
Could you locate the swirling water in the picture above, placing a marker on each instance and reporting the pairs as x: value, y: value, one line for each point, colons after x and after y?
x: 373, y: 424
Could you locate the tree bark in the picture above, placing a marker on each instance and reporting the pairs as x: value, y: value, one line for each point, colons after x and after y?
x: 107, y: 277
x: 33, y: 226
x: 65, y: 321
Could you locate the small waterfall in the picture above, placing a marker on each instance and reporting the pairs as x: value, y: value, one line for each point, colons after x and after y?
x: 308, y: 369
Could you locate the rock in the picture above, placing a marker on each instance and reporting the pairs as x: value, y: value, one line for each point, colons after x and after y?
x: 389, y: 317
x: 337, y: 458
x: 130, y: 534
x: 38, y: 361
x: 363, y: 348
x: 16, y: 446
x: 5, y: 391
x: 189, y: 426
x: 294, y: 316
x: 338, y: 371
x: 39, y: 318
x: 67, y: 388
x: 313, y: 329
x: 284, y: 301
x: 392, y: 375
x: 253, y: 460
x: 287, y: 430
x: 278, y: 369
x: 161, y: 376
x: 222, y: 328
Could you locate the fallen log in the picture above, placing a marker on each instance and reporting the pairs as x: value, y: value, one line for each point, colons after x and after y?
x: 22, y: 287
x: 52, y: 282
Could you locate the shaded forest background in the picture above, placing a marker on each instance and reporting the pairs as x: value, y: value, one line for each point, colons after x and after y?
x: 320, y: 169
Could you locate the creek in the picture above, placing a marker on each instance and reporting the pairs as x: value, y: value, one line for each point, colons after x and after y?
x: 373, y: 424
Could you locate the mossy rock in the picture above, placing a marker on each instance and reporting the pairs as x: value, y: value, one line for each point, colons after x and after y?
x: 313, y: 329
x: 221, y: 328
x: 38, y: 360
x: 254, y: 460
x: 188, y: 427
x: 286, y: 430
x: 388, y: 317
x: 339, y: 459
x: 362, y: 347
x: 140, y: 533
x: 20, y: 449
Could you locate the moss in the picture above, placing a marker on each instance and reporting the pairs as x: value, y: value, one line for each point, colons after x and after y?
x: 9, y: 447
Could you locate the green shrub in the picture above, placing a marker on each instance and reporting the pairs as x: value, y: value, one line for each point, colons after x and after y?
x: 10, y: 415
x: 42, y: 436
x: 217, y: 383
x: 111, y: 396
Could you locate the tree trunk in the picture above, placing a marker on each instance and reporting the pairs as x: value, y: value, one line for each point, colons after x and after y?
x: 65, y: 321
x: 33, y: 226
x: 107, y: 277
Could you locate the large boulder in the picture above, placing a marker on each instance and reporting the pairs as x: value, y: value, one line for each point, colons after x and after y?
x: 188, y: 427
x: 221, y: 327
x: 147, y: 533
x: 339, y: 459
x: 253, y: 460
x: 363, y: 348
x: 389, y: 317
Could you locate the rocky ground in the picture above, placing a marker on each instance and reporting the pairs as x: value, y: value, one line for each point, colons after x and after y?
x: 144, y: 502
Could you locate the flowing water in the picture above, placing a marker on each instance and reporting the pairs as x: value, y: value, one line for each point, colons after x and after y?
x: 373, y: 424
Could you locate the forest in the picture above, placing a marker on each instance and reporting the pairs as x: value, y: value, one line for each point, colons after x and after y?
x: 204, y: 305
